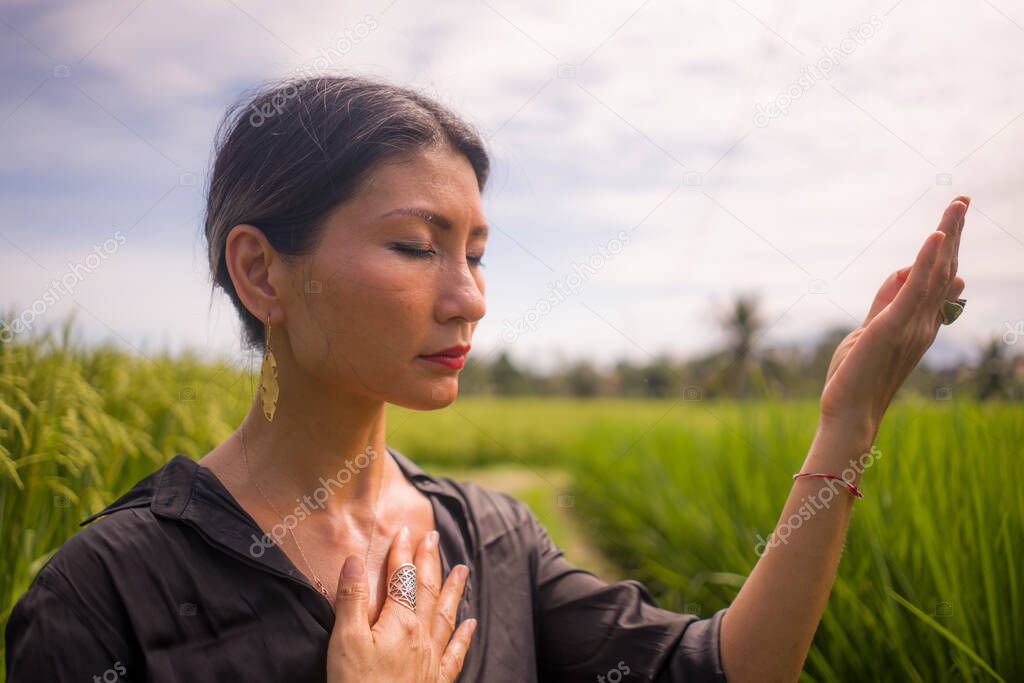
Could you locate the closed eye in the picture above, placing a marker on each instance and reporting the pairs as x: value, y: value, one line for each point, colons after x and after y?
x: 427, y: 253
x: 413, y: 251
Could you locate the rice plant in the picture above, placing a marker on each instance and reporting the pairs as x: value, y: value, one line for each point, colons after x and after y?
x: 675, y: 492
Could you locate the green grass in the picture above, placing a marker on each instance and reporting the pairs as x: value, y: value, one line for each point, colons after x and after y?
x: 928, y: 588
x: 674, y: 493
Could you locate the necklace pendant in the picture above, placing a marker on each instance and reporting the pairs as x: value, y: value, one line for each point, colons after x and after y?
x: 323, y: 590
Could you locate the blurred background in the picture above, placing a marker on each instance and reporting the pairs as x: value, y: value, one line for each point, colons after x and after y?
x: 690, y: 205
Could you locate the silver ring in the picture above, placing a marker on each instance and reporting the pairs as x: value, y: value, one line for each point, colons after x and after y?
x: 951, y: 310
x: 402, y: 585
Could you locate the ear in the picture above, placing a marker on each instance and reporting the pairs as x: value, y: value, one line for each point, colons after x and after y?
x: 254, y: 266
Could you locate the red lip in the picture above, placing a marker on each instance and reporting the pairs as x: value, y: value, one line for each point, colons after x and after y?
x: 451, y: 351
x: 454, y: 357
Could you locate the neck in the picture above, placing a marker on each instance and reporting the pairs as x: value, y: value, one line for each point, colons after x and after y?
x: 317, y: 455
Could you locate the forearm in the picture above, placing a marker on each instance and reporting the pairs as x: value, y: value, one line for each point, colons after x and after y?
x: 769, y: 627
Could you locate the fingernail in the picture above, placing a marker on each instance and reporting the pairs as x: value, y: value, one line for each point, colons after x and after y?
x: 352, y: 568
x: 403, y: 535
x: 432, y: 539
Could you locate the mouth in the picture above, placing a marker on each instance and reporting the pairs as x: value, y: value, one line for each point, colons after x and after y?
x: 454, y: 357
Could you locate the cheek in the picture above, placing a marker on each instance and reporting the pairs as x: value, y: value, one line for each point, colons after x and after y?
x: 362, y: 304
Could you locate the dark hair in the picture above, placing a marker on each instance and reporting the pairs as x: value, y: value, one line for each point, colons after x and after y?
x: 290, y: 153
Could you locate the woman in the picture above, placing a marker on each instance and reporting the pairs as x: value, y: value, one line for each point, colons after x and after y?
x: 344, y: 221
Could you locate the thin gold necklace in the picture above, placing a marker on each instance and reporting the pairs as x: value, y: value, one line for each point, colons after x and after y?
x: 373, y: 524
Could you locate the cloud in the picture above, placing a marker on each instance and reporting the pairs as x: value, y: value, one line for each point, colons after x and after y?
x: 595, y: 113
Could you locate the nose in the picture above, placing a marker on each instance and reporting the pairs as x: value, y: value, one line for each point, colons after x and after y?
x: 461, y: 294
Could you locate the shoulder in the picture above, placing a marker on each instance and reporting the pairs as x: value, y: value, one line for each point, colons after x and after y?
x: 127, y: 538
x: 87, y: 568
x: 76, y: 602
x: 123, y: 537
x: 111, y: 540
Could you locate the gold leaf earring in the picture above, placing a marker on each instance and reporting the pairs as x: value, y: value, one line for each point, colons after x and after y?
x: 269, y: 389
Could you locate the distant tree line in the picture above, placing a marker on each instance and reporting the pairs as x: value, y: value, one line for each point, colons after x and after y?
x: 742, y: 368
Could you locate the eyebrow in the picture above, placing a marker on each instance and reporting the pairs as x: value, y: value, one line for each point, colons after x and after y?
x: 437, y: 219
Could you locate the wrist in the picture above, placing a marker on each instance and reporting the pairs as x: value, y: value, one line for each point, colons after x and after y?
x: 852, y: 432
x: 845, y: 450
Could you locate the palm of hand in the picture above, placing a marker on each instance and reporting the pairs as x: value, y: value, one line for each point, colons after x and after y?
x: 872, y: 362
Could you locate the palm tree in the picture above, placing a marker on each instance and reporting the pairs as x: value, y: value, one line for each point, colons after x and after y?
x: 738, y: 367
x: 993, y: 372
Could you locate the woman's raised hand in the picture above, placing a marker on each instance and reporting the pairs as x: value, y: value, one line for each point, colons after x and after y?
x: 873, y: 361
x: 402, y: 645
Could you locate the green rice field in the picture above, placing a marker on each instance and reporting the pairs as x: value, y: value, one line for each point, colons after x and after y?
x: 675, y: 493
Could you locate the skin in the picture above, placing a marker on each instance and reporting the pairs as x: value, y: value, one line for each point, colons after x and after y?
x: 768, y: 629
x: 348, y: 323
x: 348, y: 345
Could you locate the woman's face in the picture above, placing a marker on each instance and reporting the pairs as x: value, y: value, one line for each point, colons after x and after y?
x: 386, y: 286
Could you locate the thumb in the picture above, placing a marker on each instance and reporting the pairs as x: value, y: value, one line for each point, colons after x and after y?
x: 352, y: 600
x: 887, y: 292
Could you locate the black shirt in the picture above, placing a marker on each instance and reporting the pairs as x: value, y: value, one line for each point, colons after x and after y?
x: 165, y: 588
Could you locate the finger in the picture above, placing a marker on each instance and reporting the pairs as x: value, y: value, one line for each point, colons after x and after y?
x: 912, y: 294
x: 428, y: 572
x: 942, y: 272
x: 887, y: 292
x: 455, y: 654
x: 394, y: 611
x: 956, y: 288
x: 960, y: 230
x: 448, y: 604
x: 351, y: 602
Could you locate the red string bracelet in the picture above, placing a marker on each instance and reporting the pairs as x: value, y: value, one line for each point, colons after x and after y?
x: 852, y: 488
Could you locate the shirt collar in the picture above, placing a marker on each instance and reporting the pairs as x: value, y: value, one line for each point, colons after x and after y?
x: 183, y: 490
x: 170, y: 489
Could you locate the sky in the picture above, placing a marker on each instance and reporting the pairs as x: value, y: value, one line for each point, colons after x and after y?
x: 688, y: 152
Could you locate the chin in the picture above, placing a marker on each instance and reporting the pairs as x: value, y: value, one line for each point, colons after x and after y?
x: 429, y: 395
